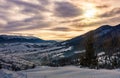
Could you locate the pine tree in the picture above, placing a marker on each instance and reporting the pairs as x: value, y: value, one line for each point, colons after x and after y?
x: 0, y: 65
x: 89, y: 58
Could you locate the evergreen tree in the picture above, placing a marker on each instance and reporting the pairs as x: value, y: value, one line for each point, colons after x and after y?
x: 0, y: 65
x: 89, y: 58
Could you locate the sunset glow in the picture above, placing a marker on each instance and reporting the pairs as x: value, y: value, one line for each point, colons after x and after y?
x: 57, y: 19
x: 90, y: 11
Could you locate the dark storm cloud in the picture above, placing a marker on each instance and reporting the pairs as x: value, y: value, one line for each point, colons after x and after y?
x: 115, y: 20
x: 44, y: 2
x: 3, y: 11
x: 3, y: 6
x: 66, y: 9
x: 102, y: 6
x: 34, y: 18
x: 60, y: 29
x: 29, y: 10
x: 24, y: 27
x: 113, y: 12
x: 33, y: 8
x: 71, y: 20
x: 65, y: 29
x: 27, y: 24
x: 3, y: 17
x: 28, y: 5
x: 36, y: 21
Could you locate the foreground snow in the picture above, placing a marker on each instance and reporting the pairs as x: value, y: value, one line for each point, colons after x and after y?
x: 60, y: 72
x: 10, y: 74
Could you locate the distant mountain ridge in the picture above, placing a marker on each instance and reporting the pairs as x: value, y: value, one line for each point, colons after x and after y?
x: 102, y: 35
x: 106, y: 40
x: 14, y: 38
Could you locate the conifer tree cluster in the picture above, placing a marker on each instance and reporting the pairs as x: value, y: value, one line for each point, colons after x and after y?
x: 89, y: 59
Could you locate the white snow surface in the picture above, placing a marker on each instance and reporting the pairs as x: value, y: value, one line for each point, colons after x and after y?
x: 70, y: 72
x: 10, y: 74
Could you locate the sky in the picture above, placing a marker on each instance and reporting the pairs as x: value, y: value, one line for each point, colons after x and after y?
x: 56, y: 19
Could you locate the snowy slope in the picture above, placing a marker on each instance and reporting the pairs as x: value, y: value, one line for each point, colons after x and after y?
x: 70, y: 72
x: 60, y: 72
x: 10, y: 74
x: 22, y: 47
x: 36, y: 52
x: 14, y: 63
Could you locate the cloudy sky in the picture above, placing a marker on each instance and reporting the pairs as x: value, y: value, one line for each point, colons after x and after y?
x: 56, y: 19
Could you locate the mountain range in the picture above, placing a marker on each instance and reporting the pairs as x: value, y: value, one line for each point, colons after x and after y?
x: 106, y: 40
x: 22, y: 39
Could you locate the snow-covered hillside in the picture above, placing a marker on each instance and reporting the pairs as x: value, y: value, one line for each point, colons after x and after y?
x: 61, y: 72
x: 35, y: 52
x: 22, y: 47
x: 10, y: 74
